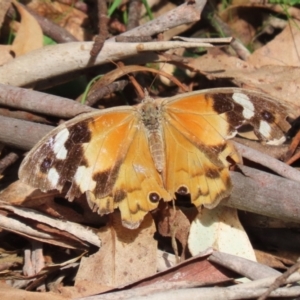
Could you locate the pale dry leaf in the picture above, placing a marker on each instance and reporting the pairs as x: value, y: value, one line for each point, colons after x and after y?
x: 29, y: 36
x: 165, y: 260
x: 283, y: 50
x: 8, y: 293
x: 83, y: 289
x: 168, y: 68
x: 221, y: 229
x: 126, y: 255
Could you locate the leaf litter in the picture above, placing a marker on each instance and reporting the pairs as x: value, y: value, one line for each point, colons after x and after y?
x: 65, y: 251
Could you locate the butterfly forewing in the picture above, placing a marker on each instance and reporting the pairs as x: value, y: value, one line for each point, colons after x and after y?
x: 85, y: 151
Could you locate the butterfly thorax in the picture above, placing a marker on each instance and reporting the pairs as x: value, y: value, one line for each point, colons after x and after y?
x: 151, y: 118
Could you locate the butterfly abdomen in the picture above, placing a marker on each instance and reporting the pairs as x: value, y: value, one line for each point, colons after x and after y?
x: 151, y: 118
x: 156, y: 147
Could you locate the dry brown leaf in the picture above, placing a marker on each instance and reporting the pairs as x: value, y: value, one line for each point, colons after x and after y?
x: 237, y: 18
x: 280, y: 82
x: 125, y: 256
x: 64, y: 15
x: 216, y: 63
x: 173, y: 223
x: 197, y: 270
x: 72, y: 20
x: 29, y: 36
x: 18, y: 193
x: 4, y: 6
x: 276, y: 261
x: 9, y: 259
x: 283, y: 50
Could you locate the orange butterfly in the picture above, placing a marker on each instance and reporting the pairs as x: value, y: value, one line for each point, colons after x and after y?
x: 132, y: 157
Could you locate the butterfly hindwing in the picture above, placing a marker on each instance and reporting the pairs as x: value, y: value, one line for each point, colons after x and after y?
x: 197, y: 149
x: 190, y: 169
x: 138, y: 187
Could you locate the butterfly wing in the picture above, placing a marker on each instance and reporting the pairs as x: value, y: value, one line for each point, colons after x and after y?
x: 104, y: 154
x: 138, y: 187
x: 80, y: 146
x: 196, y: 129
x: 201, y: 173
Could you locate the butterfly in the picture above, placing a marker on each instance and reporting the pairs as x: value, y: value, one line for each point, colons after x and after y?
x: 132, y: 157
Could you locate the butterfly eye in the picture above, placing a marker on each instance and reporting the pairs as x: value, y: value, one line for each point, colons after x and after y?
x: 183, y: 190
x: 267, y: 116
x: 154, y: 197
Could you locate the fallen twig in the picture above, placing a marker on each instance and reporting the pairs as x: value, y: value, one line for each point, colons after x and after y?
x: 266, y: 194
x: 268, y: 161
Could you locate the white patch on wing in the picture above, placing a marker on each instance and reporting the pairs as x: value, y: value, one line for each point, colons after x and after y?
x: 276, y: 142
x: 243, y: 99
x: 53, y: 177
x: 139, y: 168
x: 265, y: 129
x: 59, y: 148
x: 83, y: 178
